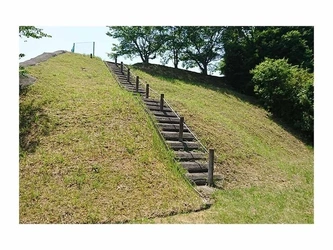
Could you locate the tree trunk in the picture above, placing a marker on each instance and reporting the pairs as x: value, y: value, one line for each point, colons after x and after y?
x: 175, y: 63
x: 204, y: 69
x: 146, y: 60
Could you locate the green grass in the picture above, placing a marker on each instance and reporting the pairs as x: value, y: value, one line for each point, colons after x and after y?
x: 268, y: 172
x: 88, y: 153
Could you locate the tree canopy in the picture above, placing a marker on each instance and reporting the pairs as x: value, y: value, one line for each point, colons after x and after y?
x: 203, y: 45
x: 143, y: 41
x: 246, y: 47
x: 32, y: 31
x: 273, y: 63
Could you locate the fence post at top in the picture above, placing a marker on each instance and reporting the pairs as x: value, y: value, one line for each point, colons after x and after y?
x: 122, y: 67
x: 115, y: 60
x: 137, y: 84
x: 210, y: 181
x: 181, y: 128
x: 128, y: 75
x: 147, y: 90
x: 162, y: 102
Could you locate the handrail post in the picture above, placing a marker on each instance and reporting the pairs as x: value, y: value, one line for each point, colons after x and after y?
x: 161, y: 102
x: 128, y: 74
x: 147, y: 90
x: 137, y: 84
x: 122, y: 67
x: 181, y: 128
x: 210, y: 181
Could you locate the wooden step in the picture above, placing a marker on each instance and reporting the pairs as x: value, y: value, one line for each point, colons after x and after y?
x: 198, y: 178
x: 157, y: 108
x: 163, y: 113
x: 171, y: 127
x: 185, y: 145
x: 189, y: 156
x: 169, y: 120
x: 175, y: 136
x: 195, y: 167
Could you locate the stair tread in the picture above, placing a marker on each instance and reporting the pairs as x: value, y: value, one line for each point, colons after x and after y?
x: 198, y: 178
x: 175, y: 135
x: 163, y: 113
x: 185, y: 145
x: 195, y: 167
x: 190, y: 155
x: 171, y: 127
x: 169, y: 120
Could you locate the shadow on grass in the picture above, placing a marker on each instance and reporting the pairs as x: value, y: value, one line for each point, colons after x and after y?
x: 306, y: 138
x: 217, y: 84
x: 34, y: 123
x: 214, y: 83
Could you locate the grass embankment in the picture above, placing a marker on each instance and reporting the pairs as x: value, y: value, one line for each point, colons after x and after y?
x: 87, y: 151
x: 268, y: 171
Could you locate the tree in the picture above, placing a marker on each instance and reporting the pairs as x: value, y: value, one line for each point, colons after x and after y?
x: 246, y: 47
x: 203, y: 45
x: 143, y: 41
x: 287, y: 91
x: 240, y: 56
x: 31, y: 31
x: 173, y: 46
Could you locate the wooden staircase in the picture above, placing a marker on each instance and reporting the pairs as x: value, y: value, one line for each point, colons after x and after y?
x: 188, y: 150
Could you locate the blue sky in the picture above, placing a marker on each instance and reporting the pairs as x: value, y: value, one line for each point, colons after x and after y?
x: 63, y: 38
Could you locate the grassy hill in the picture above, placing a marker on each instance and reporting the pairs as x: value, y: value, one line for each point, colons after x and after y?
x: 88, y: 153
x: 268, y: 171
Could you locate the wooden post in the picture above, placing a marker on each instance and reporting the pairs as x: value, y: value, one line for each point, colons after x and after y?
x: 128, y: 75
x: 90, y: 55
x: 181, y: 128
x: 93, y: 49
x: 137, y: 84
x: 115, y: 60
x: 122, y: 67
x: 162, y: 102
x: 147, y: 90
x: 210, y: 181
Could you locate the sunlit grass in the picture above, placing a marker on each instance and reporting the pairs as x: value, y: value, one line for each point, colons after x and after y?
x: 268, y: 172
x: 89, y: 152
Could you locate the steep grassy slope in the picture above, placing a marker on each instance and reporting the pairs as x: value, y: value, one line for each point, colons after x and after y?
x: 88, y: 153
x: 268, y: 171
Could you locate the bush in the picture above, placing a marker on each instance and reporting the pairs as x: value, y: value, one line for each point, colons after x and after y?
x: 286, y: 91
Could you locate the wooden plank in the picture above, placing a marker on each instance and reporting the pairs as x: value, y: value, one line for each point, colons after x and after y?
x: 157, y: 108
x: 195, y: 167
x: 169, y: 120
x: 162, y: 113
x: 188, y: 145
x: 189, y: 156
x: 175, y: 136
x: 171, y: 127
x: 198, y: 178
x: 151, y: 101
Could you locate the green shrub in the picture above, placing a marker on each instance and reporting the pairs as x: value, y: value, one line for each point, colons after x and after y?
x: 287, y: 92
